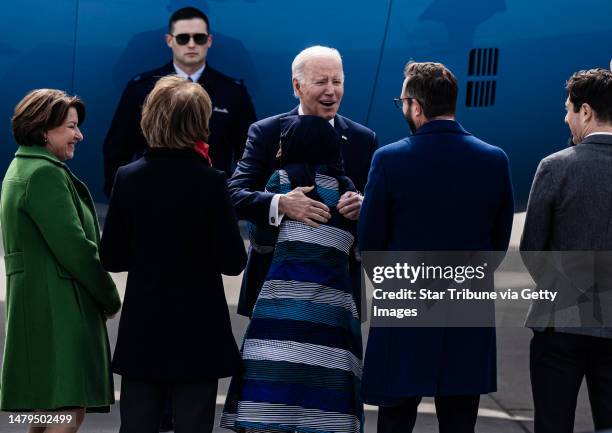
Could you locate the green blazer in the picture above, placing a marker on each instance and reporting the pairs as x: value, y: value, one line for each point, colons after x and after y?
x: 57, y: 293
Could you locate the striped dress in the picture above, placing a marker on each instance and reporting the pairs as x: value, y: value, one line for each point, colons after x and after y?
x: 302, y: 351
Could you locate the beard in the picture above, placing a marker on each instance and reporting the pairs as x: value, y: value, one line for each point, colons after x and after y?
x: 411, y: 123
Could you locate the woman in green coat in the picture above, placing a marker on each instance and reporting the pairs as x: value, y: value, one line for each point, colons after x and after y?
x: 57, y: 354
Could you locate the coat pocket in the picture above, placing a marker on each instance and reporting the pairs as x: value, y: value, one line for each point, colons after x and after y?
x: 65, y: 275
x: 13, y: 263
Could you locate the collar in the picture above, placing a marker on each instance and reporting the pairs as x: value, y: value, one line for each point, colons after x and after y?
x: 35, y: 151
x: 597, y: 138
x: 598, y: 133
x: 437, y: 126
x: 167, y: 152
x: 195, y: 77
x: 301, y: 113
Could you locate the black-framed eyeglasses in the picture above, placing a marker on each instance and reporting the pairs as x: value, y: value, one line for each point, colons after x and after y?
x: 399, y: 102
x: 198, y: 38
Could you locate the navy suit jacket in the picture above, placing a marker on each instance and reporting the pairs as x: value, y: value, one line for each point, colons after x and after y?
x: 255, y: 168
x: 441, y: 189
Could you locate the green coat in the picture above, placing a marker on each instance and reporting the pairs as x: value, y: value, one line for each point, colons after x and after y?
x: 56, y: 350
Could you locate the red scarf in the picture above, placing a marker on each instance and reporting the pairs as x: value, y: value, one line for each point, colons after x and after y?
x: 202, y: 148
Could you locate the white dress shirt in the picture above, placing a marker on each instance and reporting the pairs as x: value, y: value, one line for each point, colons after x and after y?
x: 599, y: 133
x: 194, y: 77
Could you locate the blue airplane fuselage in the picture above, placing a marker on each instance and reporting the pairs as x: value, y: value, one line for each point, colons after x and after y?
x: 511, y: 57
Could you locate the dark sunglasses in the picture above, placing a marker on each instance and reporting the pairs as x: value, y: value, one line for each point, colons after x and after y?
x: 198, y: 38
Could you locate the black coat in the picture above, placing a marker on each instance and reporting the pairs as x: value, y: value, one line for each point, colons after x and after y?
x: 233, y: 112
x: 172, y: 227
x: 259, y: 161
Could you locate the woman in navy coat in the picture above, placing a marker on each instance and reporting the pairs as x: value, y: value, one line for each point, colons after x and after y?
x: 172, y: 227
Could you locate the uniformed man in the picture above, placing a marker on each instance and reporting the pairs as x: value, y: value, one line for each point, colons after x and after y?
x: 189, y: 38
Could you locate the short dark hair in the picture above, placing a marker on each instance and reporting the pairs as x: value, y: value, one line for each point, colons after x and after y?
x: 593, y: 87
x: 42, y: 110
x: 186, y: 14
x: 434, y: 86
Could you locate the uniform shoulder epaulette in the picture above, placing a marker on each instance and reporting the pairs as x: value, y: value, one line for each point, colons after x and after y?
x: 145, y: 75
x: 227, y: 78
x: 142, y: 76
x: 238, y: 81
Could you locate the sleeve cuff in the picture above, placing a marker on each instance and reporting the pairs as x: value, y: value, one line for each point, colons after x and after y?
x: 274, y: 218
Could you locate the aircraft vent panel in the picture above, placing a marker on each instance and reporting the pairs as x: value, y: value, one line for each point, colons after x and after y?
x: 482, y: 73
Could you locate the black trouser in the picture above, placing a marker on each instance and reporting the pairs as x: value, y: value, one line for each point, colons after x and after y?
x: 456, y: 414
x: 558, y: 363
x: 142, y: 403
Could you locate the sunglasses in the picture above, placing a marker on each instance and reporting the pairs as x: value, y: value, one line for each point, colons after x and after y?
x: 198, y: 38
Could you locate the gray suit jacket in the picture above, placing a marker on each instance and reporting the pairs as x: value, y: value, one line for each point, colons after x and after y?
x: 569, y: 215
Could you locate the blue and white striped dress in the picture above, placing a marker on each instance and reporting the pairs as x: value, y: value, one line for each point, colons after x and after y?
x: 302, y: 350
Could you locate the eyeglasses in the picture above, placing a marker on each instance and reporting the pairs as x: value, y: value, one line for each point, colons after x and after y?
x: 184, y: 38
x: 399, y: 102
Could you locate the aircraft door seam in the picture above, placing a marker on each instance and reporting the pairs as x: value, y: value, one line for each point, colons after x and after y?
x: 378, y: 66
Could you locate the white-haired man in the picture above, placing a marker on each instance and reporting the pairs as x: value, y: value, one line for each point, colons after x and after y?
x: 318, y: 83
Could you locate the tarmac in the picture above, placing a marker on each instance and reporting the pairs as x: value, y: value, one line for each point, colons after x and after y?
x: 509, y: 410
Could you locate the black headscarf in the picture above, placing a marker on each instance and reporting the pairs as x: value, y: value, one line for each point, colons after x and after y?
x: 308, y: 140
x: 309, y: 144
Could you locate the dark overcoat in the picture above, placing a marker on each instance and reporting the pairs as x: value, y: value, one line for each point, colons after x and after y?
x: 232, y: 115
x: 440, y: 189
x: 171, y: 226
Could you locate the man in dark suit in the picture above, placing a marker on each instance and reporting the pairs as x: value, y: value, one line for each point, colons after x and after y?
x: 318, y: 82
x: 440, y: 189
x: 570, y: 210
x: 189, y: 38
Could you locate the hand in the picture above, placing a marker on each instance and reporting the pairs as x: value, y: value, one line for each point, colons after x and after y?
x: 297, y: 206
x: 349, y: 205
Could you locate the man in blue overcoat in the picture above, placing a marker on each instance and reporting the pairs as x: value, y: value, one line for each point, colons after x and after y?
x: 441, y: 189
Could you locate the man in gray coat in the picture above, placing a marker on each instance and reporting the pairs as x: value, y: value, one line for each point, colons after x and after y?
x: 570, y: 212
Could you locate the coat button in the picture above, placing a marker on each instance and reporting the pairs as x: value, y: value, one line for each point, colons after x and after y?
x: 273, y: 220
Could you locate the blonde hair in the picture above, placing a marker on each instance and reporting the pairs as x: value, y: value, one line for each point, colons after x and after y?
x: 42, y: 110
x: 176, y: 114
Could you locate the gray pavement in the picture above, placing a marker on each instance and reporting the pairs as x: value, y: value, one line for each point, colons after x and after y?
x: 509, y: 410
